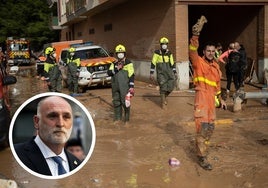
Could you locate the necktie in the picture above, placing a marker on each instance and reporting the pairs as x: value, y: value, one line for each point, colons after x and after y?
x: 61, y: 169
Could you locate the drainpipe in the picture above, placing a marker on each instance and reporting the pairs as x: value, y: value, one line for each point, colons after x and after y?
x: 242, y: 96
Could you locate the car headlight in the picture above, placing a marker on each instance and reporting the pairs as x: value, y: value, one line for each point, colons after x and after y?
x: 83, y: 69
x: 10, y: 61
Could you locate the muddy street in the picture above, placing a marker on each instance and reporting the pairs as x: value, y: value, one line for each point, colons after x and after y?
x: 137, y: 155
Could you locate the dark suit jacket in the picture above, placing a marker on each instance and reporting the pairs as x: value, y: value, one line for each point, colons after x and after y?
x: 32, y: 157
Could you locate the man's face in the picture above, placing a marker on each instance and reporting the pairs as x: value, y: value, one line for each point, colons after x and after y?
x: 237, y: 46
x: 54, y: 121
x: 209, y: 52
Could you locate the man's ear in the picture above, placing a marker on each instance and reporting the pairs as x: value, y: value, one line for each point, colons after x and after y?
x: 36, y: 122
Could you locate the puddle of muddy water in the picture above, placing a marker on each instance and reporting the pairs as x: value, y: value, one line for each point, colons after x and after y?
x: 27, y: 86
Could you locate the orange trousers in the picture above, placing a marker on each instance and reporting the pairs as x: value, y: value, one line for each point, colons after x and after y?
x: 205, y: 115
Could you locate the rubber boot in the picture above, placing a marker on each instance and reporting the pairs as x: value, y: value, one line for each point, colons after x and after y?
x: 201, y: 146
x: 163, y: 101
x: 117, y: 114
x: 202, y: 140
x: 166, y: 95
x: 204, y: 163
x: 127, y: 114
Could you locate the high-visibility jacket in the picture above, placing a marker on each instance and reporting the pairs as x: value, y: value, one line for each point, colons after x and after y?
x: 49, y: 64
x: 162, y: 57
x: 75, y: 60
x: 164, y: 64
x: 128, y: 66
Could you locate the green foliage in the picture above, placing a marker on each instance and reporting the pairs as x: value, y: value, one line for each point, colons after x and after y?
x: 29, y: 19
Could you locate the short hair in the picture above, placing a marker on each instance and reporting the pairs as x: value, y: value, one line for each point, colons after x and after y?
x: 41, y: 101
x: 218, y: 44
x: 73, y: 142
x: 209, y: 43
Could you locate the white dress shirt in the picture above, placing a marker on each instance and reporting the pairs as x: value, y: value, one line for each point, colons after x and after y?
x: 48, y: 153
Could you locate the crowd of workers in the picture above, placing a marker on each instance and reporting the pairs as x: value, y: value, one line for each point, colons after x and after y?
x: 52, y: 71
x: 206, y: 77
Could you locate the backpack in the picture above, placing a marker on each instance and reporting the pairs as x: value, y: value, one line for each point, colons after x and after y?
x: 233, y: 61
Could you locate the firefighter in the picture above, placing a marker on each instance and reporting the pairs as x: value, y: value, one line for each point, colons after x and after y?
x: 207, y: 77
x: 40, y: 66
x: 52, y: 72
x: 166, y: 73
x: 73, y: 65
x: 122, y: 72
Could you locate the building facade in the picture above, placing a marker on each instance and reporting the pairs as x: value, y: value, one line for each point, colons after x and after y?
x: 140, y: 24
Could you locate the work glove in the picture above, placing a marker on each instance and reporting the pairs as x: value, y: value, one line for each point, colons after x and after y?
x: 131, y: 91
x: 196, y: 29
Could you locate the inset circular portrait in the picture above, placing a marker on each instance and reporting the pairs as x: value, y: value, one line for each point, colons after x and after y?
x: 52, y: 135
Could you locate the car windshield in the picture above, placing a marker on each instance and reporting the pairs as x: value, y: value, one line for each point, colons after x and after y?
x: 19, y: 47
x: 91, y: 53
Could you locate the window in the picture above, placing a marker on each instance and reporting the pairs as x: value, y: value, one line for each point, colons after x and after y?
x: 91, y: 31
x: 108, y: 27
x: 91, y: 53
x: 79, y: 34
x: 74, y: 5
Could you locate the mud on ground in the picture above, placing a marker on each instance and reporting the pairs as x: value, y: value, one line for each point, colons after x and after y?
x: 137, y: 155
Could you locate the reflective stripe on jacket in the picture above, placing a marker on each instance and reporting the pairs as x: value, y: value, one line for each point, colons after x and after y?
x: 160, y: 57
x: 49, y: 63
x: 75, y: 60
x: 207, y: 75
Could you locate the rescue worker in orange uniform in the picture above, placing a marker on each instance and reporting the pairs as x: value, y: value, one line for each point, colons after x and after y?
x: 207, y: 77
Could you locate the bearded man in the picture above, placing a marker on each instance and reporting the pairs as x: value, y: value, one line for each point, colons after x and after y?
x: 45, y: 153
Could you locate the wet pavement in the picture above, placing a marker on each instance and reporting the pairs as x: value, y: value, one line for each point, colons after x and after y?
x: 137, y: 155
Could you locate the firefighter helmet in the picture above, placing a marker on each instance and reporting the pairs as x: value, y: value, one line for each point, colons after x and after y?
x: 72, y: 50
x: 163, y: 40
x: 120, y: 48
x: 49, y: 50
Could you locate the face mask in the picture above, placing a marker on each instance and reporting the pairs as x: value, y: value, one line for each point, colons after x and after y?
x: 54, y: 55
x: 164, y: 46
x: 72, y: 54
x: 120, y: 55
